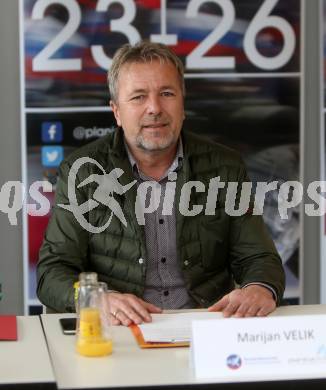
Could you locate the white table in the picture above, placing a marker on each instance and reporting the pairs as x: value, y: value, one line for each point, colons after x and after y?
x: 131, y: 366
x: 127, y: 366
x: 26, y: 361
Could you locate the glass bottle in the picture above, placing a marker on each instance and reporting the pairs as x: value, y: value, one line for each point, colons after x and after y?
x: 93, y: 333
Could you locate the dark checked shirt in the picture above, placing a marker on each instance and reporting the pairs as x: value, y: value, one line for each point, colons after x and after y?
x: 164, y: 285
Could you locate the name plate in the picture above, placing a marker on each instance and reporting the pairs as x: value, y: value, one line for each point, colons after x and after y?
x: 260, y: 348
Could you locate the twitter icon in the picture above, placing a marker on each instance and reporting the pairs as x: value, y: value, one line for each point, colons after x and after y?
x: 52, y: 156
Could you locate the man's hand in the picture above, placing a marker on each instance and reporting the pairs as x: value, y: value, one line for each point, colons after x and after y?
x: 251, y: 301
x: 126, y: 309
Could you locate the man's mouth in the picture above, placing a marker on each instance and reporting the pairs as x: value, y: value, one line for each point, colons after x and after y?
x: 154, y: 125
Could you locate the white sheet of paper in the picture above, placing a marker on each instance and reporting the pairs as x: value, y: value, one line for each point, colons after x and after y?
x: 172, y: 328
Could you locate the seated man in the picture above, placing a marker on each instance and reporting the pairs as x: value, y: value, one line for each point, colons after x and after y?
x: 142, y: 214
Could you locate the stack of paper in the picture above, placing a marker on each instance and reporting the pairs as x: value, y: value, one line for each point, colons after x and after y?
x: 173, y: 328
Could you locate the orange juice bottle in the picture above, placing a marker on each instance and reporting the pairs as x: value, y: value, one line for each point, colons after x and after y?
x: 93, y: 329
x: 90, y: 340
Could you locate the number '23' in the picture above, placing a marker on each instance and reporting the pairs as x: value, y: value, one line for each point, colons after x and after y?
x: 195, y: 60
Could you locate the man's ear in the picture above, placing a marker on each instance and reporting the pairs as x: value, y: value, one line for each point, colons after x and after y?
x: 115, y: 110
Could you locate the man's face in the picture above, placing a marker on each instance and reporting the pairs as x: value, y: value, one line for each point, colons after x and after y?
x: 149, y: 105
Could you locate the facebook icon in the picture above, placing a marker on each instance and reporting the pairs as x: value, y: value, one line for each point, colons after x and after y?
x: 51, y: 132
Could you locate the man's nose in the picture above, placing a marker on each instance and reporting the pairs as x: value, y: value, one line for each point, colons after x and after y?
x: 154, y: 105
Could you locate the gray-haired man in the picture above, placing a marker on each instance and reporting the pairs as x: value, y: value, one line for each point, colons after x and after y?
x: 173, y: 261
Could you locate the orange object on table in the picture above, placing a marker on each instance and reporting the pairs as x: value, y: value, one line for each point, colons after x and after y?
x: 90, y: 341
x: 146, y: 344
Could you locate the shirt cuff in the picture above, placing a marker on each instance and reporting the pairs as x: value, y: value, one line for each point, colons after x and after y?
x: 264, y: 285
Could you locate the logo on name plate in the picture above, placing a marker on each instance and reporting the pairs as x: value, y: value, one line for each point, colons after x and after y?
x: 233, y: 362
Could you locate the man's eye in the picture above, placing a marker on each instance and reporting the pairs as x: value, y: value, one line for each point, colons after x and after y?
x: 167, y: 93
x: 138, y: 97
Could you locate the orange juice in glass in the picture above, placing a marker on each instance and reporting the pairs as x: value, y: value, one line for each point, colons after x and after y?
x: 93, y: 336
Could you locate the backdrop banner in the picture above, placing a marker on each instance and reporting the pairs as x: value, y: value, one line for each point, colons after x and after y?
x: 243, y: 81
